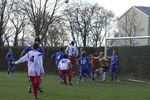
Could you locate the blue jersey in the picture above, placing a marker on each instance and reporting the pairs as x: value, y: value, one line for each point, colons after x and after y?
x: 58, y: 56
x: 83, y: 61
x: 10, y: 56
x: 30, y: 48
x: 79, y: 55
x: 114, y: 60
x: 10, y: 59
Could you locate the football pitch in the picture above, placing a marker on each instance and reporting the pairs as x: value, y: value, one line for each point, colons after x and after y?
x: 15, y: 88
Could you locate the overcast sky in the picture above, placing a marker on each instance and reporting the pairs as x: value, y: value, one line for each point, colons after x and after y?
x: 120, y: 6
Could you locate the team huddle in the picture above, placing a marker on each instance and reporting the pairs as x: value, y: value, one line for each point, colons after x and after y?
x: 67, y: 62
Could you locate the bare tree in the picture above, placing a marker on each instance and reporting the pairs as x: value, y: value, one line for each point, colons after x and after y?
x: 41, y: 14
x: 102, y: 20
x: 5, y: 10
x: 7, y: 35
x: 57, y: 35
x: 87, y: 22
x: 79, y: 17
x: 18, y: 22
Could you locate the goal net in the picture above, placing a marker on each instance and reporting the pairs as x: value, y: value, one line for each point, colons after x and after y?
x: 133, y: 52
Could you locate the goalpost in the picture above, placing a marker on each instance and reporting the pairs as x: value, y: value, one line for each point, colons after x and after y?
x: 126, y: 41
x: 134, y: 54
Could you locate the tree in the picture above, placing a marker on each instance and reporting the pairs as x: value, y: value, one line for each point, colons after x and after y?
x: 18, y: 22
x: 57, y: 35
x: 100, y: 26
x: 5, y: 10
x: 87, y: 22
x: 79, y: 17
x: 41, y: 14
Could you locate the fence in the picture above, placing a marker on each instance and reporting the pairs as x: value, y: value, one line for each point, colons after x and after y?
x: 135, y: 60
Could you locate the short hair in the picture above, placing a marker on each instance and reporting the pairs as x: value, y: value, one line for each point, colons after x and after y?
x: 37, y: 39
x: 10, y: 49
x: 65, y: 56
x: 61, y: 49
x: 83, y: 53
x: 101, y: 53
x: 35, y: 46
x: 92, y: 55
x: 72, y: 42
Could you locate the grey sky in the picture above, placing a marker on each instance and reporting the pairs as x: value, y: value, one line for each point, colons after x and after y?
x: 120, y: 6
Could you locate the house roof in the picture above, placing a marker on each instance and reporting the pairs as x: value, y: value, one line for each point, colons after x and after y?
x: 145, y: 10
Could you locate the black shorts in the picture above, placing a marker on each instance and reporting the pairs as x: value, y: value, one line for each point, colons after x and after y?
x: 105, y: 69
x: 93, y: 69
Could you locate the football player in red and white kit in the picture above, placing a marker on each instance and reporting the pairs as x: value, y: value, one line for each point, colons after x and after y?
x: 35, y: 66
x: 64, y: 68
x: 72, y: 52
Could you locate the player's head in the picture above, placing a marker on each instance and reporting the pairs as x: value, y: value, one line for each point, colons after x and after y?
x: 92, y: 55
x: 61, y: 49
x: 101, y: 54
x: 114, y: 52
x: 35, y: 46
x: 37, y: 39
x: 81, y: 49
x: 65, y: 56
x: 72, y: 42
x: 83, y: 53
x: 10, y: 50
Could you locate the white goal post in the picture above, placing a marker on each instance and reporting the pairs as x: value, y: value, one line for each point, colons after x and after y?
x: 122, y: 38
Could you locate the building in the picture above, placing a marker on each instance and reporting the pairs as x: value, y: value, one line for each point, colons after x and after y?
x: 135, y: 22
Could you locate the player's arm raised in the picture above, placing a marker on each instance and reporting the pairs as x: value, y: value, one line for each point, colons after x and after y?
x: 22, y: 59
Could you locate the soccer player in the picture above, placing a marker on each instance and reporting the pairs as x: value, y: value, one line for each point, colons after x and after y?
x: 104, y: 65
x: 58, y: 56
x: 10, y: 59
x: 93, y: 64
x: 72, y: 52
x: 26, y: 50
x: 35, y: 66
x: 79, y: 54
x: 64, y: 68
x: 84, y: 67
x: 114, y: 66
x: 29, y: 48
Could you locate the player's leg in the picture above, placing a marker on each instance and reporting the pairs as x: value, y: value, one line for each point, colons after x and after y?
x: 115, y: 73
x: 9, y: 69
x: 95, y: 73
x: 72, y: 59
x: 111, y: 73
x: 35, y: 80
x: 59, y: 73
x: 80, y: 76
x: 30, y: 86
x: 39, y: 88
x: 101, y: 72
x: 12, y: 69
x: 104, y: 73
x: 69, y: 76
x: 84, y: 76
x: 88, y: 72
x: 64, y: 76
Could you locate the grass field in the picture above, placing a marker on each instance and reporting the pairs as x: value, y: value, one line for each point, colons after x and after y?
x: 15, y: 88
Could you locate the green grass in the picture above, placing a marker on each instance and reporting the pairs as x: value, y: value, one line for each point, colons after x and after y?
x: 15, y: 88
